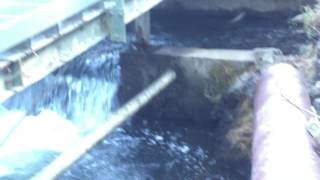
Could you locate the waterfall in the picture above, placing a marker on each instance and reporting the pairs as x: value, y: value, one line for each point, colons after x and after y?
x: 60, y: 109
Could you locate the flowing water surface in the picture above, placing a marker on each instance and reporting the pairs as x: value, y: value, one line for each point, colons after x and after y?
x: 85, y: 92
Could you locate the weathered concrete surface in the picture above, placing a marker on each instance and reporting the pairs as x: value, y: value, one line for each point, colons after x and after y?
x: 256, y: 5
x: 213, y: 54
x: 200, y: 83
x: 212, y: 70
x: 212, y: 91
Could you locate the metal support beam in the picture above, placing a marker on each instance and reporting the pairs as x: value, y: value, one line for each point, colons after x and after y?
x: 34, y: 21
x: 10, y: 75
x: 74, y: 27
x: 142, y: 28
x: 115, y: 22
x: 51, y: 57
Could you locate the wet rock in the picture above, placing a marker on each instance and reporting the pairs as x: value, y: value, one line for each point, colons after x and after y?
x: 240, y: 134
x: 316, y: 104
x: 212, y: 70
x: 204, y: 77
x: 306, y: 63
x: 267, y: 56
x: 315, y: 90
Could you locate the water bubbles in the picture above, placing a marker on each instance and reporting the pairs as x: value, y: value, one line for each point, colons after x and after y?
x: 76, y: 86
x: 212, y: 162
x: 184, y: 149
x: 145, y: 122
x: 158, y: 138
x: 152, y: 142
x: 146, y: 132
x: 68, y: 79
x: 172, y: 146
x: 82, y: 93
x: 200, y: 153
x: 216, y: 177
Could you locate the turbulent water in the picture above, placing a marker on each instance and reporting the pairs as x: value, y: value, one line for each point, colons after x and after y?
x: 84, y: 92
x: 153, y: 148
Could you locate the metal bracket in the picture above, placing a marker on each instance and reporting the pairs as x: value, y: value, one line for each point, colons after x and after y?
x: 115, y: 22
x: 10, y: 75
x: 142, y: 28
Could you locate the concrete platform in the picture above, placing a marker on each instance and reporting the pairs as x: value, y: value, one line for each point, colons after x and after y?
x: 210, y: 54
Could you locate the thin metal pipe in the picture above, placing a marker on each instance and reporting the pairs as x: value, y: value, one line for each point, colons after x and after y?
x: 66, y: 159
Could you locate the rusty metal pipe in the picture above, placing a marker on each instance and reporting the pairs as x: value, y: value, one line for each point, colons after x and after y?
x: 282, y: 147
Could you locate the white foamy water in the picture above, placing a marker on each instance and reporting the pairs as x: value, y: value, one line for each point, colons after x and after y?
x: 59, y: 111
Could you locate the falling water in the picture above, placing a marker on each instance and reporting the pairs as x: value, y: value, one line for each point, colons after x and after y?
x: 82, y: 91
x: 74, y: 100
x: 81, y: 95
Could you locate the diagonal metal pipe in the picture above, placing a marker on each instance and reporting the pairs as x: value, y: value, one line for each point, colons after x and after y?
x: 70, y: 156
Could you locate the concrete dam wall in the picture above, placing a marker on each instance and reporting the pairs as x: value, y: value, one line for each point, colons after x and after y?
x: 230, y: 5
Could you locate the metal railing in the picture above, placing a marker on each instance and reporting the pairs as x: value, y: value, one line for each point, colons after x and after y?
x: 35, y: 19
x: 50, y: 27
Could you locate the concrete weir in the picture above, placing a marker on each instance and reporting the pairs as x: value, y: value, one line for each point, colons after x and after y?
x: 256, y: 5
x: 217, y: 71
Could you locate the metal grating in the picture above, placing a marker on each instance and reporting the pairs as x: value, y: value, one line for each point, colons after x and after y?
x: 21, y: 20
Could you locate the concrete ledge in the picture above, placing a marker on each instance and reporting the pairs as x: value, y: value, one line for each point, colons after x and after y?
x: 231, y: 5
x: 210, y: 54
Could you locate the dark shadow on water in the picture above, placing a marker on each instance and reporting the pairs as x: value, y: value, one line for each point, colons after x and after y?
x: 220, y: 30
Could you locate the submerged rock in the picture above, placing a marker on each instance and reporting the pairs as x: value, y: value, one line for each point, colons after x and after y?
x: 316, y: 104
x: 315, y: 89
